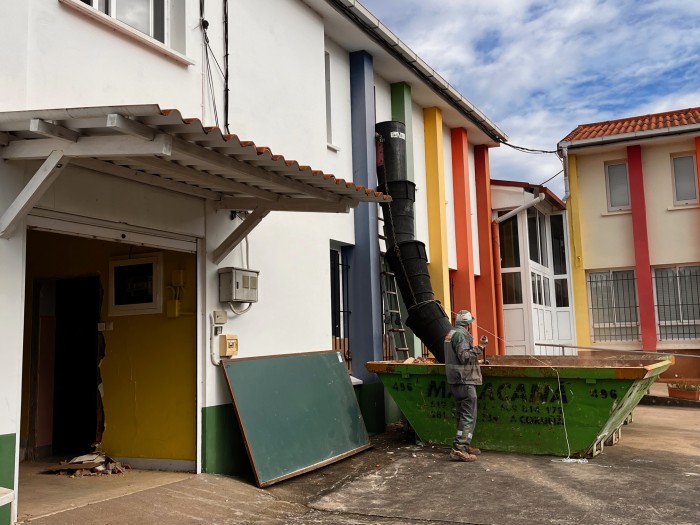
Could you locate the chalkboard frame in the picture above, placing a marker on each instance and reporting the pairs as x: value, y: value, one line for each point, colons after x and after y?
x: 343, y: 387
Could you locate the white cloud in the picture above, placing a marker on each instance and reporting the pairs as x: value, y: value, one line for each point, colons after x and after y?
x: 538, y: 68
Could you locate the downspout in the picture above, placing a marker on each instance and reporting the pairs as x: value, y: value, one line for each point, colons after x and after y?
x: 498, y: 287
x: 564, y: 156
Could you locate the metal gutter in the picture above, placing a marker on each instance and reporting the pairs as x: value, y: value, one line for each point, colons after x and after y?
x: 371, y: 25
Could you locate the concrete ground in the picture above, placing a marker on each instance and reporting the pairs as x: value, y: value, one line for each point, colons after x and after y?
x: 652, y: 476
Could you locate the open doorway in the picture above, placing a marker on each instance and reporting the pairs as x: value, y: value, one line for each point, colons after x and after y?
x: 102, y: 370
x: 65, y: 412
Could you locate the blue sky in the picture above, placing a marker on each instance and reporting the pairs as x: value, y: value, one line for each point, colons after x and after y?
x: 539, y: 68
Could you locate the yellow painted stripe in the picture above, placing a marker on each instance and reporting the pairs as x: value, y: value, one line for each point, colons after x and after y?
x: 437, y: 214
x: 578, y: 271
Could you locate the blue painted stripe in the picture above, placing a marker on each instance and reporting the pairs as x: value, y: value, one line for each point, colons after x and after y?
x: 365, y: 299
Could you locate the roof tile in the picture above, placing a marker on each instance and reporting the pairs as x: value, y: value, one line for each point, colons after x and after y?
x: 669, y: 119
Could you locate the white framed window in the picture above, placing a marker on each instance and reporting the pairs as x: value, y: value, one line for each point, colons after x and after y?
x: 136, y: 285
x: 685, y: 179
x: 163, y: 20
x: 677, y: 300
x: 617, y: 185
x: 537, y: 236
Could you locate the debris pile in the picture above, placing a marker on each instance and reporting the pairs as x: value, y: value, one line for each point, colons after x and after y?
x: 89, y: 465
x: 424, y: 360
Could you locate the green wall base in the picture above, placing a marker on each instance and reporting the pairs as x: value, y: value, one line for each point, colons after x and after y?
x: 7, y: 472
x: 223, y: 447
x: 371, y: 400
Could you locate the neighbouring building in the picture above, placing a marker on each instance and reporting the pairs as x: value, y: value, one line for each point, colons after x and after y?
x: 534, y: 268
x: 635, y: 244
x: 143, y: 150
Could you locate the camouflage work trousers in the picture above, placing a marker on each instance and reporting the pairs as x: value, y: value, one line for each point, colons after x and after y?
x: 465, y: 404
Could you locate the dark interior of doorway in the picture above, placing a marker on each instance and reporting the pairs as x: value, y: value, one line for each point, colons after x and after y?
x: 76, y: 365
x: 70, y: 308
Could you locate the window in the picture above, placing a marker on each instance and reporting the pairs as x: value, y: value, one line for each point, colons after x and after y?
x: 613, y: 305
x: 163, y: 20
x: 340, y: 304
x: 512, y: 288
x: 135, y: 285
x: 509, y: 243
x: 678, y: 302
x: 685, y: 182
x: 617, y: 185
x: 561, y: 284
x: 329, y: 121
x: 537, y: 235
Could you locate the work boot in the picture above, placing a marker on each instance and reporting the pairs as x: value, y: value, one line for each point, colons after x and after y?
x: 461, y: 455
x: 474, y: 451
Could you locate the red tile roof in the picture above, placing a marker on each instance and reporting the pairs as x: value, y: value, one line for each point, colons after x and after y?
x: 669, y: 119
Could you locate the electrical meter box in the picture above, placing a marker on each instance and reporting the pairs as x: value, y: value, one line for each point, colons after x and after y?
x: 238, y: 285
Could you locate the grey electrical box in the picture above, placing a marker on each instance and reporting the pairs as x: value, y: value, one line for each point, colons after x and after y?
x: 238, y: 285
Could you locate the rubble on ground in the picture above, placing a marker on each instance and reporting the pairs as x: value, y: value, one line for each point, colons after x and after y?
x: 89, y: 465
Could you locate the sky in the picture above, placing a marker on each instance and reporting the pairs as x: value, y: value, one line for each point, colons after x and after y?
x: 539, y: 68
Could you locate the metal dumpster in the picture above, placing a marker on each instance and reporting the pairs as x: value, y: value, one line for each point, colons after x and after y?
x: 564, y: 406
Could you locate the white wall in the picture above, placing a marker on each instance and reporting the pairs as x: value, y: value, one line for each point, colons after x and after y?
x: 606, y: 237
x: 13, y: 73
x: 667, y: 224
x: 74, y: 61
x: 421, y: 205
x: 475, y: 224
x: 449, y: 199
x: 382, y: 98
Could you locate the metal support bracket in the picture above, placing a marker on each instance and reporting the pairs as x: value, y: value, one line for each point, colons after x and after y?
x: 32, y: 192
x: 239, y: 234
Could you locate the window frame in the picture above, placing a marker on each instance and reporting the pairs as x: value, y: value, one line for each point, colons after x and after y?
x: 90, y: 9
x: 613, y: 307
x: 677, y: 202
x: 623, y: 162
x: 681, y: 321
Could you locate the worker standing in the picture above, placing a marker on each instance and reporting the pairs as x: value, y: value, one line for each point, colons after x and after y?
x: 463, y: 374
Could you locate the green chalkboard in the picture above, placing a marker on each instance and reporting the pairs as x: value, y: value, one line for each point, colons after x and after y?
x: 298, y: 412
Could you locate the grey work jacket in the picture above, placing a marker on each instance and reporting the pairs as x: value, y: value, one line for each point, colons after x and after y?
x: 462, y: 358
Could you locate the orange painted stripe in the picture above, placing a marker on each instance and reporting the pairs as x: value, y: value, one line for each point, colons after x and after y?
x: 464, y: 291
x: 485, y: 283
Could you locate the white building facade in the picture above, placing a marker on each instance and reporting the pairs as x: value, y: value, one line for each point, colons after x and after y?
x: 125, y: 166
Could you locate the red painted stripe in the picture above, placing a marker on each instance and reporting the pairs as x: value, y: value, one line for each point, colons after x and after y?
x: 647, y: 316
x: 463, y: 277
x: 485, y: 283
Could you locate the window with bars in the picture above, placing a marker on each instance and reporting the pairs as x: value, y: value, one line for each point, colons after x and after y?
x: 340, y: 305
x: 614, y: 309
x: 677, y: 297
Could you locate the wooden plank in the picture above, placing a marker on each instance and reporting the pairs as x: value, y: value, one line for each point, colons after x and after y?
x: 297, y: 412
x: 46, y: 129
x: 98, y: 146
x: 130, y: 127
x: 283, y: 204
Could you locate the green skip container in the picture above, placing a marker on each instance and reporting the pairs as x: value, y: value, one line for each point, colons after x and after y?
x: 562, y: 406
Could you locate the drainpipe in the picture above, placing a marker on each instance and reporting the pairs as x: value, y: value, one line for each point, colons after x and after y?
x: 498, y: 289
x: 564, y: 156
x: 500, y: 323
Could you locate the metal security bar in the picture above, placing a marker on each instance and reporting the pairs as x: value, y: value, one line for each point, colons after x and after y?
x: 613, y: 305
x: 677, y: 302
x: 340, y: 305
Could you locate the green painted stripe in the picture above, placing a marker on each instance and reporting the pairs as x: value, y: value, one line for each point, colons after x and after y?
x: 223, y: 447
x: 7, y: 471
